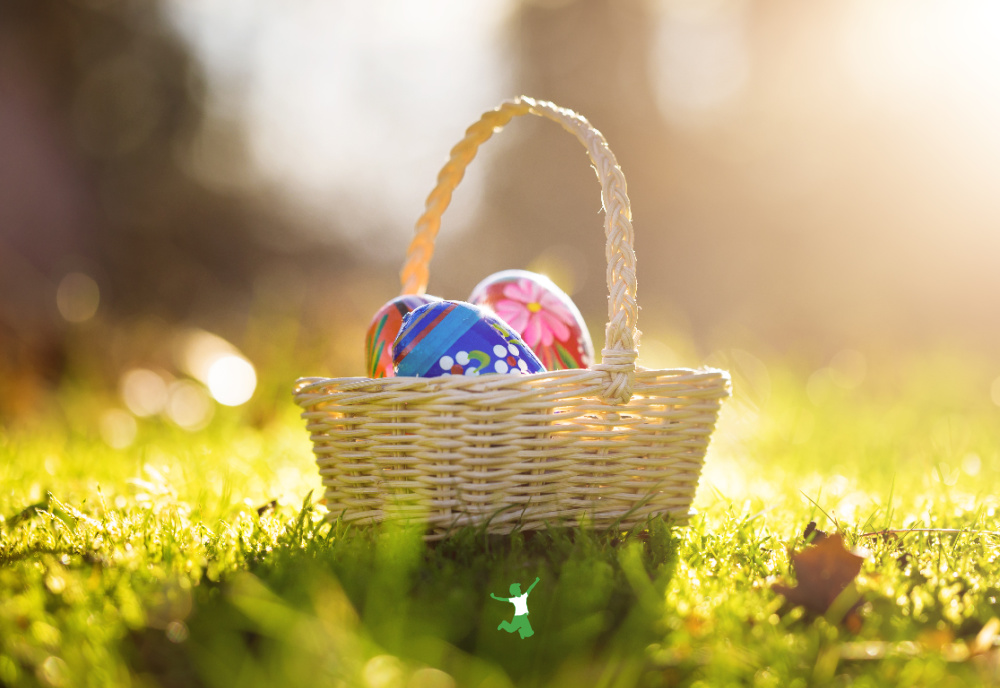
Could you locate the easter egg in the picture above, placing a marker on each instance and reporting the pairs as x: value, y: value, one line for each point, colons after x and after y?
x: 458, y: 338
x: 542, y: 313
x: 383, y: 330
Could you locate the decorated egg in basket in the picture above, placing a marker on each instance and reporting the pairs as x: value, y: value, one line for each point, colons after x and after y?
x: 458, y: 338
x: 383, y: 330
x: 542, y: 313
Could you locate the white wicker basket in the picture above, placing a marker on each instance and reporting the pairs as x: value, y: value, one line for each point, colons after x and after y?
x: 610, y: 444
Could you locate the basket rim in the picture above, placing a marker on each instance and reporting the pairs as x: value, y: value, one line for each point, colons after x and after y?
x: 484, y: 384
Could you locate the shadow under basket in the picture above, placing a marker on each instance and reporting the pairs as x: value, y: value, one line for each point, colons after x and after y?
x: 612, y: 444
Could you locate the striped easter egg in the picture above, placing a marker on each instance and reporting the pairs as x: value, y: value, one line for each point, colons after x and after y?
x: 458, y: 338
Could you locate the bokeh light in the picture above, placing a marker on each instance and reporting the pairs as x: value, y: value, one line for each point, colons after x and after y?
x: 188, y: 405
x: 382, y: 671
x: 429, y: 677
x: 971, y: 464
x: 198, y: 350
x: 232, y: 380
x: 77, y: 297
x: 219, y: 365
x: 144, y: 392
x: 118, y: 428
x: 995, y: 391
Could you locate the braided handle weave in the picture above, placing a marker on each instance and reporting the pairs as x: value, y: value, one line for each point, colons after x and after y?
x: 621, y: 337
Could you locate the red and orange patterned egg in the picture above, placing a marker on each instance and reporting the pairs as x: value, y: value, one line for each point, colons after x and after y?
x: 384, y: 329
x: 542, y: 313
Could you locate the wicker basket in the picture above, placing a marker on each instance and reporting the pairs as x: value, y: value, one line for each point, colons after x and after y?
x: 610, y: 444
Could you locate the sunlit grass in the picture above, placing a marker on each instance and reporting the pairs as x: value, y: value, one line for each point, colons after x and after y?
x: 197, y: 558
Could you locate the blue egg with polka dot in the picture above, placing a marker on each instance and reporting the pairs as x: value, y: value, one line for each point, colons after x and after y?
x: 458, y: 338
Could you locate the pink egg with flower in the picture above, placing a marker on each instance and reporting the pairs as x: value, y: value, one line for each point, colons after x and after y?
x: 542, y: 313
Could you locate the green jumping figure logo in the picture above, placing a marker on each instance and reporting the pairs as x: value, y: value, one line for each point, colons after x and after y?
x: 520, y: 621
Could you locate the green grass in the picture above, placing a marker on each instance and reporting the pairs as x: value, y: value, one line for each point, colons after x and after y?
x: 165, y: 563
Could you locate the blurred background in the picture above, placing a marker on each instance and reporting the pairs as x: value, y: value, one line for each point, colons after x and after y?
x: 201, y: 200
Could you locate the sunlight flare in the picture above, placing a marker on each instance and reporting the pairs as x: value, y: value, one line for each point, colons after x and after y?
x: 217, y: 364
x: 232, y: 380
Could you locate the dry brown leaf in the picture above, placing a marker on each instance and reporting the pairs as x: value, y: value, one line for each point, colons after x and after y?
x: 816, y: 534
x: 823, y: 571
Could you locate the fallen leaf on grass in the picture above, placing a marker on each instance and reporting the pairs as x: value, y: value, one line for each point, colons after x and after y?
x: 813, y: 534
x: 823, y: 572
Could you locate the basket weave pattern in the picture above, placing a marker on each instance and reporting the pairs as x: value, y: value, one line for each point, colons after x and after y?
x: 609, y: 444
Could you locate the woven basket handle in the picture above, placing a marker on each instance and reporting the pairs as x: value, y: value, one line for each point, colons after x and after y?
x: 621, y: 337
